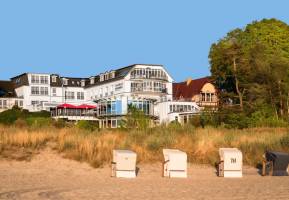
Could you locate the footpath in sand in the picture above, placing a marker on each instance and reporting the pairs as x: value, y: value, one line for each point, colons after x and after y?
x: 49, y: 176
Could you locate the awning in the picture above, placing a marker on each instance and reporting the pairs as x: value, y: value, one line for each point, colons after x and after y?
x: 66, y: 105
x: 82, y: 106
x: 86, y: 106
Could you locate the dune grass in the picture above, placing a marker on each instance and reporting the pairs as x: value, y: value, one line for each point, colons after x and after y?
x: 95, y: 147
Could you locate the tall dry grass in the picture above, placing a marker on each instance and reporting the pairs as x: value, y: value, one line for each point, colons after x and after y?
x: 201, y: 144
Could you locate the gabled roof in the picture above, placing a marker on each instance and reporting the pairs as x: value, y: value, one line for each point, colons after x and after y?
x: 7, y: 89
x: 187, y: 91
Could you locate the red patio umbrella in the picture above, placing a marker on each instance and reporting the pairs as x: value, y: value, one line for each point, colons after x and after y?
x: 86, y: 106
x: 66, y: 105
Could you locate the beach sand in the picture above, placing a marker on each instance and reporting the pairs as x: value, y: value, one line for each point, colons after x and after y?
x: 49, y: 176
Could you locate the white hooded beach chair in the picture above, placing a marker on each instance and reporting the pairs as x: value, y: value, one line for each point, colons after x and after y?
x: 124, y: 164
x: 175, y: 163
x: 231, y: 162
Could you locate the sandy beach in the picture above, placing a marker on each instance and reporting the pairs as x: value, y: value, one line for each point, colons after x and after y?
x: 49, y: 176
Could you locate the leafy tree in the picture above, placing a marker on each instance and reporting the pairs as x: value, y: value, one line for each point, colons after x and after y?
x: 136, y: 118
x: 251, y: 67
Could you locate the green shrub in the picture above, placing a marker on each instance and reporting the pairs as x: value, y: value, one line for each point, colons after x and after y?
x: 42, y: 114
x: 38, y: 122
x: 8, y: 117
x: 239, y: 121
x: 195, y: 121
x: 136, y: 119
x: 87, y: 125
x: 16, y: 114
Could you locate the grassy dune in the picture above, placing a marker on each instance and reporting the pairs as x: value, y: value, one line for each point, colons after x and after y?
x: 96, y: 147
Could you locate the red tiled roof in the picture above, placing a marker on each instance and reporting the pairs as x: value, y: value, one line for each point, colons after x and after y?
x: 182, y: 90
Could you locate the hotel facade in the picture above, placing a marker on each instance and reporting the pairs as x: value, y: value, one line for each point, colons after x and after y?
x: 147, y: 87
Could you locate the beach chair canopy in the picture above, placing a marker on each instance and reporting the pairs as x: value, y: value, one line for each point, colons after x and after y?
x: 280, y: 162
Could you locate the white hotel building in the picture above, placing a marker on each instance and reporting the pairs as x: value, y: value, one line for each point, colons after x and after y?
x: 148, y: 87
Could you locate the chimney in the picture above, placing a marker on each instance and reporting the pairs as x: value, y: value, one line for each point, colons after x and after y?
x: 189, y: 80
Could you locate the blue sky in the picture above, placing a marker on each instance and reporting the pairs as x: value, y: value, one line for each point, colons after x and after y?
x: 83, y: 38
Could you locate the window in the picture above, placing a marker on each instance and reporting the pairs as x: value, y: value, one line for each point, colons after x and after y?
x: 158, y: 86
x: 65, y: 82
x: 54, y: 92
x: 203, y: 97
x: 0, y: 103
x: 44, y: 79
x: 105, y: 77
x: 82, y: 83
x: 69, y: 95
x: 4, y: 103
x: 34, y: 79
x: 20, y: 103
x: 17, y: 81
x: 208, y: 97
x: 118, y: 87
x: 34, y: 103
x: 174, y: 108
x: 92, y: 80
x: 135, y: 87
x: 113, y: 123
x: 145, y: 105
x: 212, y: 97
x: 107, y: 108
x: 106, y: 91
x: 53, y: 79
x: 148, y: 73
x: 101, y: 77
x: 44, y: 91
x: 80, y: 95
x: 34, y: 90
x: 111, y: 90
x: 112, y: 74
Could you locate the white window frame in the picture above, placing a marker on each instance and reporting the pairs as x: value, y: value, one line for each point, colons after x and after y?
x: 54, y: 79
x: 35, y: 90
x: 54, y: 92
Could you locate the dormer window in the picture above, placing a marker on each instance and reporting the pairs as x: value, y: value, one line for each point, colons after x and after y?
x: 65, y: 81
x: 92, y: 80
x: 53, y: 79
x: 72, y: 82
x: 82, y: 83
x: 18, y: 81
x: 101, y: 77
x: 105, y: 76
x: 112, y: 74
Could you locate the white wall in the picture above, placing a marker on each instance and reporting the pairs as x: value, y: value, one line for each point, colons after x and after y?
x: 162, y: 110
x: 94, y: 92
x: 9, y: 103
x: 49, y: 100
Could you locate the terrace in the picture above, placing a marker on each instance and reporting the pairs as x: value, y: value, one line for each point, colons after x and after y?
x: 74, y: 113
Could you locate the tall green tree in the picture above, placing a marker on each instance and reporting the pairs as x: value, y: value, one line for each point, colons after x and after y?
x: 251, y: 67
